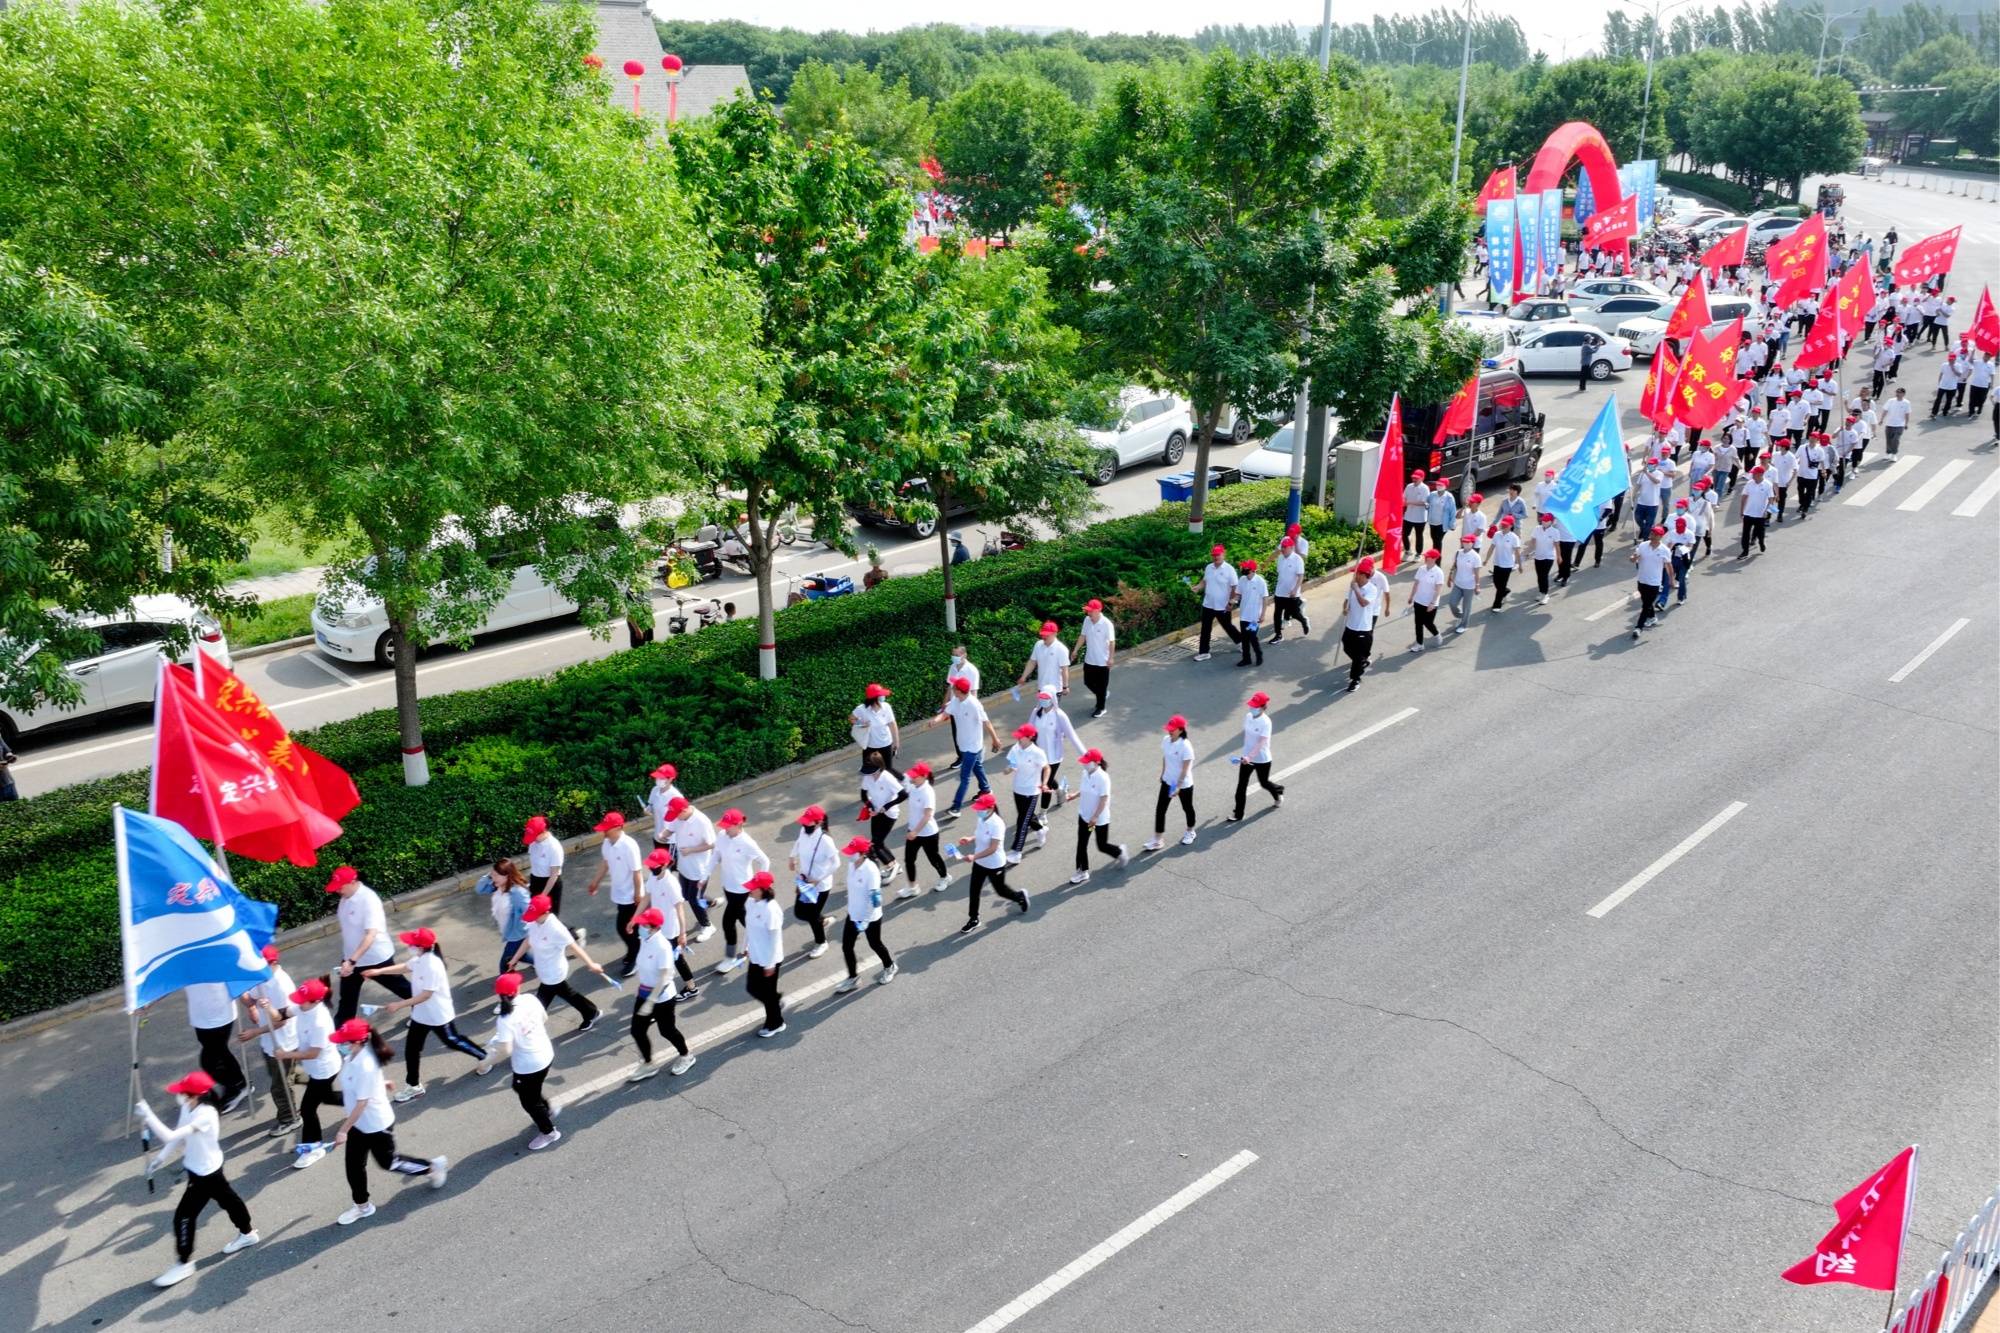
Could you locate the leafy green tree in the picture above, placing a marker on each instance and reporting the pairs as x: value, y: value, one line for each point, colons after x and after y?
x: 1674, y: 93
x: 1004, y: 142
x: 882, y: 117
x: 933, y: 61
x: 87, y: 500
x: 1821, y: 119
x: 1064, y: 66
x: 1974, y: 95
x: 1935, y: 62
x: 1607, y: 93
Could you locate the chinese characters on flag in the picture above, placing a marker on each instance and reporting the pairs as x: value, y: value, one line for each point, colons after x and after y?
x: 1500, y: 185
x: 1728, y: 252
x: 1459, y: 415
x: 1823, y: 344
x: 1985, y: 330
x: 1691, y: 315
x: 1618, y: 223
x: 1865, y: 1246
x: 1656, y: 400
x: 1708, y: 385
x: 318, y: 782
x: 1927, y: 258
x: 1797, y: 264
x: 1389, y: 489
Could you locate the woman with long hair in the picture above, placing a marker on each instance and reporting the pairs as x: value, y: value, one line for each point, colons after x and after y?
x: 369, y: 1128
x: 511, y: 895
x: 431, y: 1009
x: 197, y: 1137
x: 521, y: 1033
x: 864, y: 914
x: 319, y: 1060
x: 1176, y: 780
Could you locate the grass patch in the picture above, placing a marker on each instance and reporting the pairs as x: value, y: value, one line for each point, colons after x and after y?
x: 279, y: 618
x: 275, y: 548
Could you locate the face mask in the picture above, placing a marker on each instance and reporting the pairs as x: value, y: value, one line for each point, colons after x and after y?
x: 645, y: 932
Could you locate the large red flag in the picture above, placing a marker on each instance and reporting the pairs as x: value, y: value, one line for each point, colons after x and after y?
x: 1985, y: 330
x: 1729, y: 251
x: 1460, y: 413
x: 1824, y: 344
x: 1691, y: 315
x: 318, y: 782
x: 1656, y: 400
x: 1708, y: 385
x: 1500, y: 185
x: 207, y: 779
x: 1927, y: 258
x: 1389, y: 489
x: 1617, y: 223
x: 1797, y: 264
x: 1865, y: 1246
x: 1853, y: 297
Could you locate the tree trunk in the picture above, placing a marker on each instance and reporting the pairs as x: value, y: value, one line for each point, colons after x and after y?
x: 409, y: 726
x: 1204, y: 438
x: 944, y: 563
x: 762, y: 551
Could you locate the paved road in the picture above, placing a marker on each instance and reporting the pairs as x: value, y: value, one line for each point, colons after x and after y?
x: 1472, y: 1103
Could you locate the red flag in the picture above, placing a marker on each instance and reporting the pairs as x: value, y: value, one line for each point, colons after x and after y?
x: 1500, y: 185
x: 207, y: 779
x: 1708, y: 385
x: 1389, y: 488
x: 317, y: 782
x: 1853, y: 296
x: 1458, y: 416
x: 1927, y: 258
x: 1617, y: 223
x: 1691, y: 315
x: 1985, y: 330
x: 1727, y: 252
x: 1797, y: 264
x: 1656, y: 400
x: 1865, y: 1247
x: 1825, y: 343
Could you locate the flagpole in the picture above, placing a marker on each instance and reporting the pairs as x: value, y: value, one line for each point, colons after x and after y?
x: 1903, y: 1240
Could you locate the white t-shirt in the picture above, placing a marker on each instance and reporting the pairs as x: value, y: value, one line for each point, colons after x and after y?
x: 1178, y: 751
x: 990, y: 831
x: 210, y: 1005
x: 1362, y: 600
x: 548, y: 944
x: 764, y: 932
x: 1251, y: 594
x: 1652, y: 561
x: 1465, y: 569
x: 816, y: 856
x: 1218, y: 581
x: 1025, y: 761
x: 657, y: 801
x: 361, y: 1080
x: 920, y: 811
x: 1784, y: 466
x: 655, y: 963
x: 427, y: 973
x: 1542, y: 541
x: 1416, y: 502
x: 621, y: 866
x: 878, y: 718
x: 1896, y: 412
x: 545, y: 855
x: 663, y: 891
x: 1257, y: 738
x: 740, y: 857
x: 961, y: 668
x: 1506, y: 549
x: 1098, y: 636
x: 526, y: 1032
x: 1053, y: 732
x: 879, y: 789
x: 864, y: 892
x: 1095, y: 788
x: 199, y: 1134
x: 316, y: 1033
x: 1427, y: 583
x: 1291, y: 574
x: 1050, y: 656
x: 694, y: 829
x: 361, y: 912
x: 276, y: 992
x: 1757, y: 498
x: 968, y: 722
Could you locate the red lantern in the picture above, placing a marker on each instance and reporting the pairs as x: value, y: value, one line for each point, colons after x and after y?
x: 634, y: 70
x: 671, y: 63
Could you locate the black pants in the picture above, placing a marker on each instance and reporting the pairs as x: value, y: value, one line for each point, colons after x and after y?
x: 925, y: 844
x: 1941, y: 402
x: 1808, y: 489
x: 1358, y: 644
x: 219, y: 1062
x: 1566, y: 553
x: 981, y: 877
x: 661, y: 1017
x: 1880, y: 375
x: 1649, y: 598
x: 765, y: 988
x: 1027, y: 815
x: 1426, y: 618
x: 551, y: 885
x: 349, y: 1002
x: 814, y: 915
x: 1783, y: 493
x: 1542, y: 569
x: 733, y: 910
x: 1753, y: 529
x: 448, y: 1033
x: 1252, y: 642
x: 564, y: 990
x: 1412, y: 534
x: 1502, y: 575
x: 880, y: 826
x: 1978, y: 401
x: 849, y: 933
x: 1263, y: 773
x: 1288, y: 608
x: 381, y: 1145
x: 319, y: 1092
x: 200, y: 1192
x: 1596, y: 543
x: 1211, y: 618
x: 626, y: 911
x: 1166, y: 798
x: 528, y: 1087
x: 1097, y: 679
x: 692, y: 895
x: 1104, y: 843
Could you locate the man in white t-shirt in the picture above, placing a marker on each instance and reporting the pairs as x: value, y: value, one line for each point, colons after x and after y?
x: 621, y: 865
x: 1251, y: 595
x: 1288, y: 594
x: 1656, y: 575
x: 1218, y: 589
x: 1895, y: 419
x: 970, y: 728
x: 551, y: 946
x: 1425, y: 588
x: 364, y: 941
x: 1464, y: 581
x: 1048, y: 661
x: 545, y: 859
x: 1757, y: 494
x: 1096, y: 644
x: 212, y: 1015
x: 1357, y: 627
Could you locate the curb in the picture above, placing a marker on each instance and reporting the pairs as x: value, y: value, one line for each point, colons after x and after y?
x: 32, y: 1024
x: 274, y: 646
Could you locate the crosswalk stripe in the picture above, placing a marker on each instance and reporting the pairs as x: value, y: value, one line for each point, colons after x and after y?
x: 1898, y: 470
x: 1980, y: 498
x: 1931, y: 489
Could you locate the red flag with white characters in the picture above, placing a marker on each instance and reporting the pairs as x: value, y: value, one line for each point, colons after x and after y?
x: 1728, y: 252
x: 1500, y: 185
x: 1865, y: 1247
x: 1656, y: 400
x: 1708, y: 386
x: 1617, y: 223
x: 318, y: 782
x: 1460, y: 413
x: 1389, y: 488
x: 1691, y: 315
x: 1985, y: 330
x: 1927, y: 258
x: 1823, y: 344
x: 217, y: 786
x: 1797, y: 264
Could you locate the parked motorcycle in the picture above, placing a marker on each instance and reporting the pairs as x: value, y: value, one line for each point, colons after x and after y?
x: 699, y: 612
x: 1006, y: 540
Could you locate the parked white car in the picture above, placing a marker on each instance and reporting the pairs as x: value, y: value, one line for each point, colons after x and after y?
x: 1593, y: 292
x: 125, y: 669
x: 1273, y: 457
x: 1150, y: 427
x: 1556, y: 349
x: 358, y: 630
x: 1644, y: 332
x: 1608, y: 314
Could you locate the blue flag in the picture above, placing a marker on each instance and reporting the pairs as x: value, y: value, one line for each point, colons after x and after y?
x: 1500, y: 249
x: 1585, y: 203
x: 1597, y: 473
x: 1552, y: 233
x: 1528, y: 217
x: 1648, y: 173
x: 183, y: 921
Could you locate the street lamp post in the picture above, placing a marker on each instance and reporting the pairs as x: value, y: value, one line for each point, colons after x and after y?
x: 1826, y: 22
x: 1458, y: 138
x: 1302, y: 404
x: 635, y: 71
x: 1652, y: 50
x: 670, y: 65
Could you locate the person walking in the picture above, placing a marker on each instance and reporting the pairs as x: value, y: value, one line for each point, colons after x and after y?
x: 1416, y: 508
x: 812, y: 863
x: 1443, y: 512
x: 874, y: 727
x: 1583, y: 360
x: 197, y: 1138
x: 1028, y: 777
x: 1058, y: 737
x: 1979, y: 378
x: 1784, y: 471
x: 364, y: 941
x: 1218, y: 589
x: 1812, y: 460
x: 654, y: 999
x: 764, y: 930
x: 545, y: 859
x: 1288, y: 596
x: 1701, y: 511
x: 1680, y: 553
x: 274, y: 1028
x: 211, y: 1013
x: 694, y: 838
x: 1176, y: 782
x: 1513, y: 507
x: 1093, y: 816
x: 430, y: 1006
x: 664, y: 895
x: 319, y: 1060
x: 1542, y: 545
x: 1357, y: 631
x: 369, y: 1127
x: 738, y: 860
x: 550, y: 946
x: 864, y: 917
x: 920, y: 831
x: 1251, y: 595
x: 1755, y: 510
x: 1895, y: 419
x: 1505, y: 553
x: 1048, y: 662
x: 1465, y: 581
x: 621, y: 864
x: 1255, y: 756
x: 1472, y: 520
x: 521, y: 1037
x: 881, y: 792
x: 1096, y: 644
x: 509, y: 890
x: 1426, y: 587
x: 658, y: 799
x: 1656, y: 575
x: 987, y: 850
x: 971, y: 729
x: 1947, y: 387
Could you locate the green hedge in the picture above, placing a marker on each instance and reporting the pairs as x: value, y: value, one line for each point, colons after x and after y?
x: 582, y: 740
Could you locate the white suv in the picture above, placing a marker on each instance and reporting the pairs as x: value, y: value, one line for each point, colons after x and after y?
x: 126, y: 667
x: 1149, y: 426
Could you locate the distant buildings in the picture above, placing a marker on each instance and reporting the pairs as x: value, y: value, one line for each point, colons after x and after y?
x: 625, y: 32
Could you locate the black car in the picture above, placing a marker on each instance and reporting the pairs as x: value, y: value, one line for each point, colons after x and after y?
x: 897, y: 516
x: 1505, y: 443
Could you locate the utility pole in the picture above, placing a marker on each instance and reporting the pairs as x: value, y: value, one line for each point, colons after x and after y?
x: 1302, y: 405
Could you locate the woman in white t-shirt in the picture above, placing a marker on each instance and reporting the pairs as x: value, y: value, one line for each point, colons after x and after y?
x: 812, y: 863
x: 521, y: 1033
x: 1426, y: 586
x: 319, y: 1060
x: 663, y: 891
x: 874, y: 726
x: 764, y: 937
x: 864, y: 915
x: 653, y: 1003
x: 921, y: 831
x: 1176, y: 780
x: 1254, y: 760
x: 430, y: 1006
x: 197, y: 1137
x: 881, y: 792
x: 369, y: 1129
x: 1093, y: 815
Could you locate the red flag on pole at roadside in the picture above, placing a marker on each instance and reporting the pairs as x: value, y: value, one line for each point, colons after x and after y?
x: 1389, y: 488
x: 1656, y: 400
x: 1691, y: 315
x: 317, y: 782
x: 211, y: 782
x: 1926, y: 258
x: 1865, y: 1247
x: 1728, y: 252
x: 1460, y: 412
x: 1985, y: 329
x: 1500, y: 185
x: 1797, y: 264
x: 1708, y: 385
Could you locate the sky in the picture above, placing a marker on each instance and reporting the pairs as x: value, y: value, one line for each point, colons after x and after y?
x: 1560, y: 27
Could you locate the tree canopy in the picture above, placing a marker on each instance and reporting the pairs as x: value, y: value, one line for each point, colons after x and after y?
x: 1005, y: 143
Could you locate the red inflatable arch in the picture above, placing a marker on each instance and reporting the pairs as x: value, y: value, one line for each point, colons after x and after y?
x: 1578, y: 141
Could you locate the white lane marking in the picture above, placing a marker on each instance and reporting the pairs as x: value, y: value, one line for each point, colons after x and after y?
x: 1340, y: 745
x: 1924, y: 656
x: 1980, y: 498
x: 720, y: 1032
x: 319, y: 664
x: 1111, y: 1245
x: 1604, y: 611
x: 1686, y: 845
x: 1931, y: 489
x: 64, y: 756
x: 1901, y: 468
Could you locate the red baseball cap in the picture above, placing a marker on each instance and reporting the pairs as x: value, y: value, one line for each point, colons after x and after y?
x: 1288, y: 544
x: 1049, y: 627
x: 984, y: 801
x: 1659, y: 531
x: 1547, y: 518
x: 652, y: 916
x: 1364, y: 566
x: 536, y: 826
x: 310, y: 991
x: 1292, y: 530
x: 1507, y: 522
x: 1683, y: 504
x: 1468, y: 540
x: 538, y: 907
x: 352, y: 1031
x: 731, y: 818
x: 961, y: 684
x: 1025, y: 732
x: 1477, y: 498
x: 609, y: 822
x: 678, y: 807
x: 875, y: 691
x: 658, y: 858
x: 1091, y: 756
x: 920, y: 769
x: 812, y: 814
x: 1216, y: 550
x: 507, y: 983
x: 1093, y: 605
x: 856, y: 846
x: 667, y: 771
x: 1433, y: 554
x: 1175, y: 723
x: 341, y: 878
x: 270, y: 952
x: 195, y: 1083
x: 1416, y: 474
x: 1248, y: 566
x: 423, y: 937
x: 761, y: 880
x: 1257, y: 700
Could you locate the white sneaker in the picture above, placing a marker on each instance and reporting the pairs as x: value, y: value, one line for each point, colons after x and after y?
x: 941, y: 885
x: 355, y: 1214
x: 1041, y: 838
x: 440, y: 1168
x: 1201, y: 657
x: 1150, y: 845
x: 1013, y: 858
x: 643, y: 1072
x: 1416, y: 647
x: 178, y: 1273
x: 1124, y: 858
x: 682, y: 1065
x: 847, y: 986
x: 886, y: 975
x: 582, y: 933
x: 1080, y: 877
x: 242, y: 1242
x: 771, y: 1032
x: 907, y: 891
x: 704, y: 934
x: 548, y: 1140
x: 889, y: 875
x: 731, y: 963
x: 282, y: 1128
x: 818, y: 950
x: 1544, y: 601
x: 309, y: 1157
x: 1187, y: 839
x: 1459, y: 630
x: 409, y: 1094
